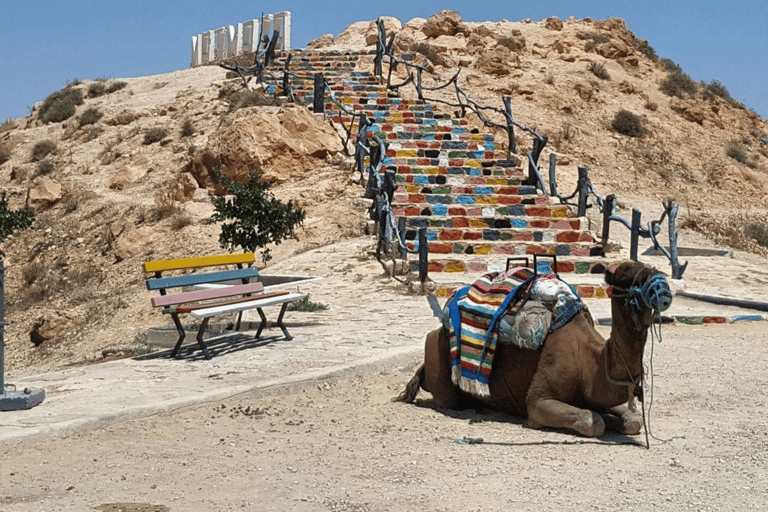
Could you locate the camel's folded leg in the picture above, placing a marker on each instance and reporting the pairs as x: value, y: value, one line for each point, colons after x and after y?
x: 631, y: 421
x: 554, y: 413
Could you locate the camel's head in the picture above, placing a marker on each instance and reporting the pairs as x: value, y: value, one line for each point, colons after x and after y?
x: 643, y: 289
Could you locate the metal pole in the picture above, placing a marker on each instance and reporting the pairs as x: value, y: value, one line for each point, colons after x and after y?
x: 318, y: 105
x: 401, y: 233
x: 510, y: 127
x: 608, y: 208
x: 423, y: 254
x: 583, y: 187
x: 635, y: 234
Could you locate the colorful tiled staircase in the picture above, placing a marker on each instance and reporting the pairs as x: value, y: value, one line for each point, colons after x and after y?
x: 456, y: 182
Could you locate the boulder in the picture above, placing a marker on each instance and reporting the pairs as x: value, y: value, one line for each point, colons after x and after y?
x: 133, y: 242
x: 690, y: 112
x: 613, y: 49
x: 44, y: 193
x: 445, y: 23
x: 321, y: 42
x: 354, y: 34
x: 125, y: 176
x: 496, y: 62
x: 553, y: 23
x: 51, y: 325
x: 391, y: 25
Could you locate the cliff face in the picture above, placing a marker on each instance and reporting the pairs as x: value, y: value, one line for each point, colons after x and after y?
x: 133, y: 184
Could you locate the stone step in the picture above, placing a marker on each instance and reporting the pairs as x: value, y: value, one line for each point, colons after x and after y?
x: 519, y: 209
x: 508, y: 248
x: 444, y: 145
x: 519, y: 223
x: 511, y: 179
x: 484, y: 264
x: 386, y: 102
x: 504, y: 235
x: 460, y: 190
x: 400, y: 135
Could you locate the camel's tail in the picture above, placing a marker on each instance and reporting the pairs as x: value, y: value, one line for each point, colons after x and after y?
x: 412, y: 388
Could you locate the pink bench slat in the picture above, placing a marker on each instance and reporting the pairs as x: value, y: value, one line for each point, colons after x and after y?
x: 213, y: 293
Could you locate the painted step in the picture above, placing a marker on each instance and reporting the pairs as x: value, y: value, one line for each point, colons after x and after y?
x: 507, y: 248
x: 504, y: 235
x: 532, y: 223
x: 459, y: 190
x: 406, y: 177
x: 398, y: 135
x: 480, y: 265
x: 451, y: 167
x: 521, y: 209
x: 451, y: 154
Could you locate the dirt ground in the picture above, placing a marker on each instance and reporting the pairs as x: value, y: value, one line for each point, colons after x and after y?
x: 343, y: 446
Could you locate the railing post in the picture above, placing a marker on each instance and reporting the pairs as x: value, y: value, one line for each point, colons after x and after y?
x: 401, y: 224
x: 609, y: 206
x: 553, y: 175
x: 423, y: 254
x: 269, y: 54
x: 635, y: 229
x: 583, y: 186
x: 677, y: 269
x: 285, y: 73
x: 318, y: 104
x: 418, y: 84
x: 389, y: 184
x: 510, y: 127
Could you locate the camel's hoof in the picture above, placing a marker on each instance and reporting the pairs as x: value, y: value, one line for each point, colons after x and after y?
x: 633, y: 423
x: 592, y: 424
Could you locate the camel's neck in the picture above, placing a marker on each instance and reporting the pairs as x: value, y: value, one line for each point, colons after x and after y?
x: 625, y: 346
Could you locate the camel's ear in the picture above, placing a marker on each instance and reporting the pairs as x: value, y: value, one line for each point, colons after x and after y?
x: 610, y: 274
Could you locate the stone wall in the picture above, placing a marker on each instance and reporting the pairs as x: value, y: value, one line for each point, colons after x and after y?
x: 233, y: 40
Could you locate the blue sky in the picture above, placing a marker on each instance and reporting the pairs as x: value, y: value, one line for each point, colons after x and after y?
x: 45, y: 43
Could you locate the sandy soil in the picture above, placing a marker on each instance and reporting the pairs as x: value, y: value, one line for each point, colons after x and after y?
x: 343, y: 446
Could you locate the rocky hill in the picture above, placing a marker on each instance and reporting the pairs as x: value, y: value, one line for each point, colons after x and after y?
x: 126, y: 178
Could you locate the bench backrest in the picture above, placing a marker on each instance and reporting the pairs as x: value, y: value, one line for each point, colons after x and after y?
x: 198, y: 262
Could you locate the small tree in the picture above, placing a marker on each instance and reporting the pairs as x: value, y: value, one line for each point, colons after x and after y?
x: 11, y: 220
x: 258, y: 217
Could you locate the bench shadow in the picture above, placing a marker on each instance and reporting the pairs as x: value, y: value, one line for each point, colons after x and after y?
x: 474, y: 416
x: 223, y: 344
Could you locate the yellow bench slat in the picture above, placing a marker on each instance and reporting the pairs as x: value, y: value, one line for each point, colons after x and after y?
x: 202, y: 261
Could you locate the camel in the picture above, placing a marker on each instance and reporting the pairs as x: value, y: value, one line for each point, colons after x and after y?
x: 576, y: 377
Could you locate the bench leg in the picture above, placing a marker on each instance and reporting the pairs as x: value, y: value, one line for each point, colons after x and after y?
x: 182, y: 334
x: 262, y: 323
x: 200, y: 341
x: 280, y: 322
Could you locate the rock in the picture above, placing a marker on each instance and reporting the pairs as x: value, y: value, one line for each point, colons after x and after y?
x: 514, y: 41
x: 44, y: 193
x: 691, y: 112
x: 613, y: 49
x: 184, y: 187
x: 354, y: 34
x: 496, y: 62
x: 632, y: 60
x: 553, y: 23
x: 123, y: 118
x: 133, y: 242
x: 445, y: 23
x: 391, y: 25
x: 586, y: 90
x: 321, y: 42
x: 50, y: 326
x: 625, y: 87
x: 125, y: 176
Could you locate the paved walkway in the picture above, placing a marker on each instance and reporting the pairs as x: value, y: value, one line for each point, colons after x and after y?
x: 372, y: 324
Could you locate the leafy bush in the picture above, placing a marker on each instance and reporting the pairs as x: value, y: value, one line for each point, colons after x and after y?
x: 627, y: 123
x: 42, y: 149
x: 5, y: 153
x: 671, y: 66
x: 187, y: 128
x: 45, y: 167
x: 736, y: 151
x: 12, y: 220
x: 60, y: 105
x: 97, y: 89
x: 155, y: 134
x: 90, y: 116
x: 304, y: 305
x: 598, y: 69
x: 646, y: 49
x: 678, y: 84
x: 258, y: 218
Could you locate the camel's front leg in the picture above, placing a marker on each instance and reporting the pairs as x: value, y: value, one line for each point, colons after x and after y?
x: 631, y: 421
x: 554, y: 413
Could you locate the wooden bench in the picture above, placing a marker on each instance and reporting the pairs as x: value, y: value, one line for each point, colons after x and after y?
x: 213, y: 300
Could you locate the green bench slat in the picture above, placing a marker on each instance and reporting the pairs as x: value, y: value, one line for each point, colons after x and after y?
x: 162, y: 283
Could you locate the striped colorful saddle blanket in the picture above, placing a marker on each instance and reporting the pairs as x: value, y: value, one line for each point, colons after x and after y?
x: 480, y: 316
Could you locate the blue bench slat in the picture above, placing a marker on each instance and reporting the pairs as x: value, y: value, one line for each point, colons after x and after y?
x: 162, y: 283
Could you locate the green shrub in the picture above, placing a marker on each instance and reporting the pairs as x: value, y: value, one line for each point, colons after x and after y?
x: 678, y: 84
x: 12, y: 220
x: 60, y: 105
x: 187, y: 128
x: 90, y: 116
x: 155, y: 134
x: 646, y: 49
x: 304, y: 305
x: 258, y: 218
x: 45, y: 167
x: 736, y: 151
x: 42, y: 149
x: 627, y: 123
x: 759, y: 232
x: 670, y: 65
x: 5, y: 153
x: 598, y: 69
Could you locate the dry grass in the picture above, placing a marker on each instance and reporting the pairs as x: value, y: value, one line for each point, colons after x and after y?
x: 5, y: 153
x: 598, y: 69
x: 746, y: 231
x: 42, y: 149
x: 181, y: 220
x: 155, y: 134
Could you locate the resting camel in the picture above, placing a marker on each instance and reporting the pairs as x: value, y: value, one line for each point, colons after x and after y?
x: 575, y: 376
